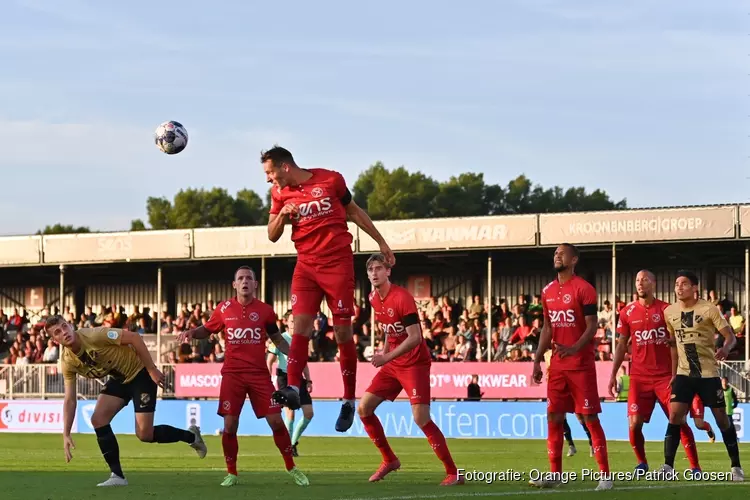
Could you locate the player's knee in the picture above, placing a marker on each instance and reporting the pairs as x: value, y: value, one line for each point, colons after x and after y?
x: 145, y: 435
x: 342, y: 324
x: 365, y: 410
x: 307, y: 413
x: 99, y: 420
x: 275, y: 422
x: 231, y: 425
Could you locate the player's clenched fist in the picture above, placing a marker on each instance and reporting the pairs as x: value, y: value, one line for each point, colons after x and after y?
x: 538, y: 374
x: 185, y: 337
x: 68, y: 444
x: 289, y: 209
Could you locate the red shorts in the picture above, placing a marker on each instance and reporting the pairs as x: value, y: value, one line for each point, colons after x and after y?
x: 645, y: 392
x: 236, y: 386
x: 335, y: 282
x: 571, y: 391
x: 390, y: 380
x: 697, y: 410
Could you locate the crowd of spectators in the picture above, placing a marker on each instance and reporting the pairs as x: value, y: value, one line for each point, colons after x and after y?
x: 454, y: 332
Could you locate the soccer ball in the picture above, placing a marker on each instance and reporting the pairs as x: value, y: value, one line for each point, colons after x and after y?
x: 171, y: 137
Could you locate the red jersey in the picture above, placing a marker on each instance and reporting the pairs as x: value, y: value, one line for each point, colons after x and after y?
x: 396, y: 311
x: 247, y: 328
x: 565, y: 307
x: 319, y: 231
x: 650, y: 355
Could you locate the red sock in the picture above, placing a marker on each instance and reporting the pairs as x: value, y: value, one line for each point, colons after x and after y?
x: 600, y: 445
x: 348, y: 362
x: 375, y: 430
x: 705, y: 427
x: 555, y: 437
x: 638, y: 442
x: 284, y: 444
x: 297, y: 359
x: 439, y: 446
x: 231, y: 447
x: 688, y: 442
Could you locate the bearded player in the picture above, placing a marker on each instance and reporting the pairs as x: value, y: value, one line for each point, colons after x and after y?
x: 692, y: 324
x: 570, y: 320
x: 404, y: 365
x: 317, y: 203
x: 247, y: 322
x: 96, y: 353
x: 642, y: 325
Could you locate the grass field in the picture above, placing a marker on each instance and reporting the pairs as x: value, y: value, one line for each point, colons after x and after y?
x: 32, y: 466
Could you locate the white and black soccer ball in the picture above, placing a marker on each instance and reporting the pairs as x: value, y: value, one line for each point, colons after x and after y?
x: 171, y: 137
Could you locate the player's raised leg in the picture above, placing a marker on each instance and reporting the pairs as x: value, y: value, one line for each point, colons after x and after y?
x: 698, y: 413
x: 107, y: 407
x: 366, y: 409
x: 144, y: 404
x: 307, y: 416
x: 306, y: 299
x: 338, y: 283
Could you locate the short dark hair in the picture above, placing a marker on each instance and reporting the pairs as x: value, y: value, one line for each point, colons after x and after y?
x: 53, y: 321
x: 690, y: 275
x: 572, y: 248
x: 244, y: 268
x: 277, y: 155
x: 377, y: 257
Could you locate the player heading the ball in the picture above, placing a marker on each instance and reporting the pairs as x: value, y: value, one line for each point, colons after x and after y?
x: 692, y: 324
x: 317, y: 204
x: 642, y: 325
x: 404, y: 365
x: 248, y: 322
x: 96, y: 353
x: 570, y: 305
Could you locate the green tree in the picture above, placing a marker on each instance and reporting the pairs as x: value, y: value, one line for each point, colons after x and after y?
x: 137, y: 225
x: 199, y: 208
x: 63, y: 229
x: 399, y: 194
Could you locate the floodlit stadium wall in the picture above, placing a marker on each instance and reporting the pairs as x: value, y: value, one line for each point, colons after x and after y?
x: 493, y: 420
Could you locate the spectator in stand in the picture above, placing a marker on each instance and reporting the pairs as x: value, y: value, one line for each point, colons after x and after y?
x: 607, y: 315
x: 526, y: 355
x: 476, y: 310
x: 432, y: 309
x: 737, y: 321
x: 463, y: 348
x: 505, y: 332
x: 447, y: 309
x: 51, y: 353
x: 522, y: 331
x: 535, y: 309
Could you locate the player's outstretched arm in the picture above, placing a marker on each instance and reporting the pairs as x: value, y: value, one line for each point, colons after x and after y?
x: 70, y: 403
x: 135, y: 340
x: 279, y: 341
x: 364, y: 222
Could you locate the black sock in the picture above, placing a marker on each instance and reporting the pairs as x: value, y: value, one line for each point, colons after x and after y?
x: 671, y: 443
x: 110, y: 449
x: 730, y: 441
x: 568, y: 434
x: 169, y: 434
x: 587, y: 431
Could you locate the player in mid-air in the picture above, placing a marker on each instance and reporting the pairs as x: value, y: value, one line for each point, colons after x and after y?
x: 96, y: 353
x: 248, y: 322
x: 692, y: 324
x: 316, y: 202
x: 274, y: 354
x: 404, y: 365
x: 570, y: 320
x: 642, y: 325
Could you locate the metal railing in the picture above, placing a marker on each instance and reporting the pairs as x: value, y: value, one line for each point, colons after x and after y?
x: 45, y: 381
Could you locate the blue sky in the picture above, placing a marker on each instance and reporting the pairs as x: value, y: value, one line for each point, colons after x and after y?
x: 647, y: 100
